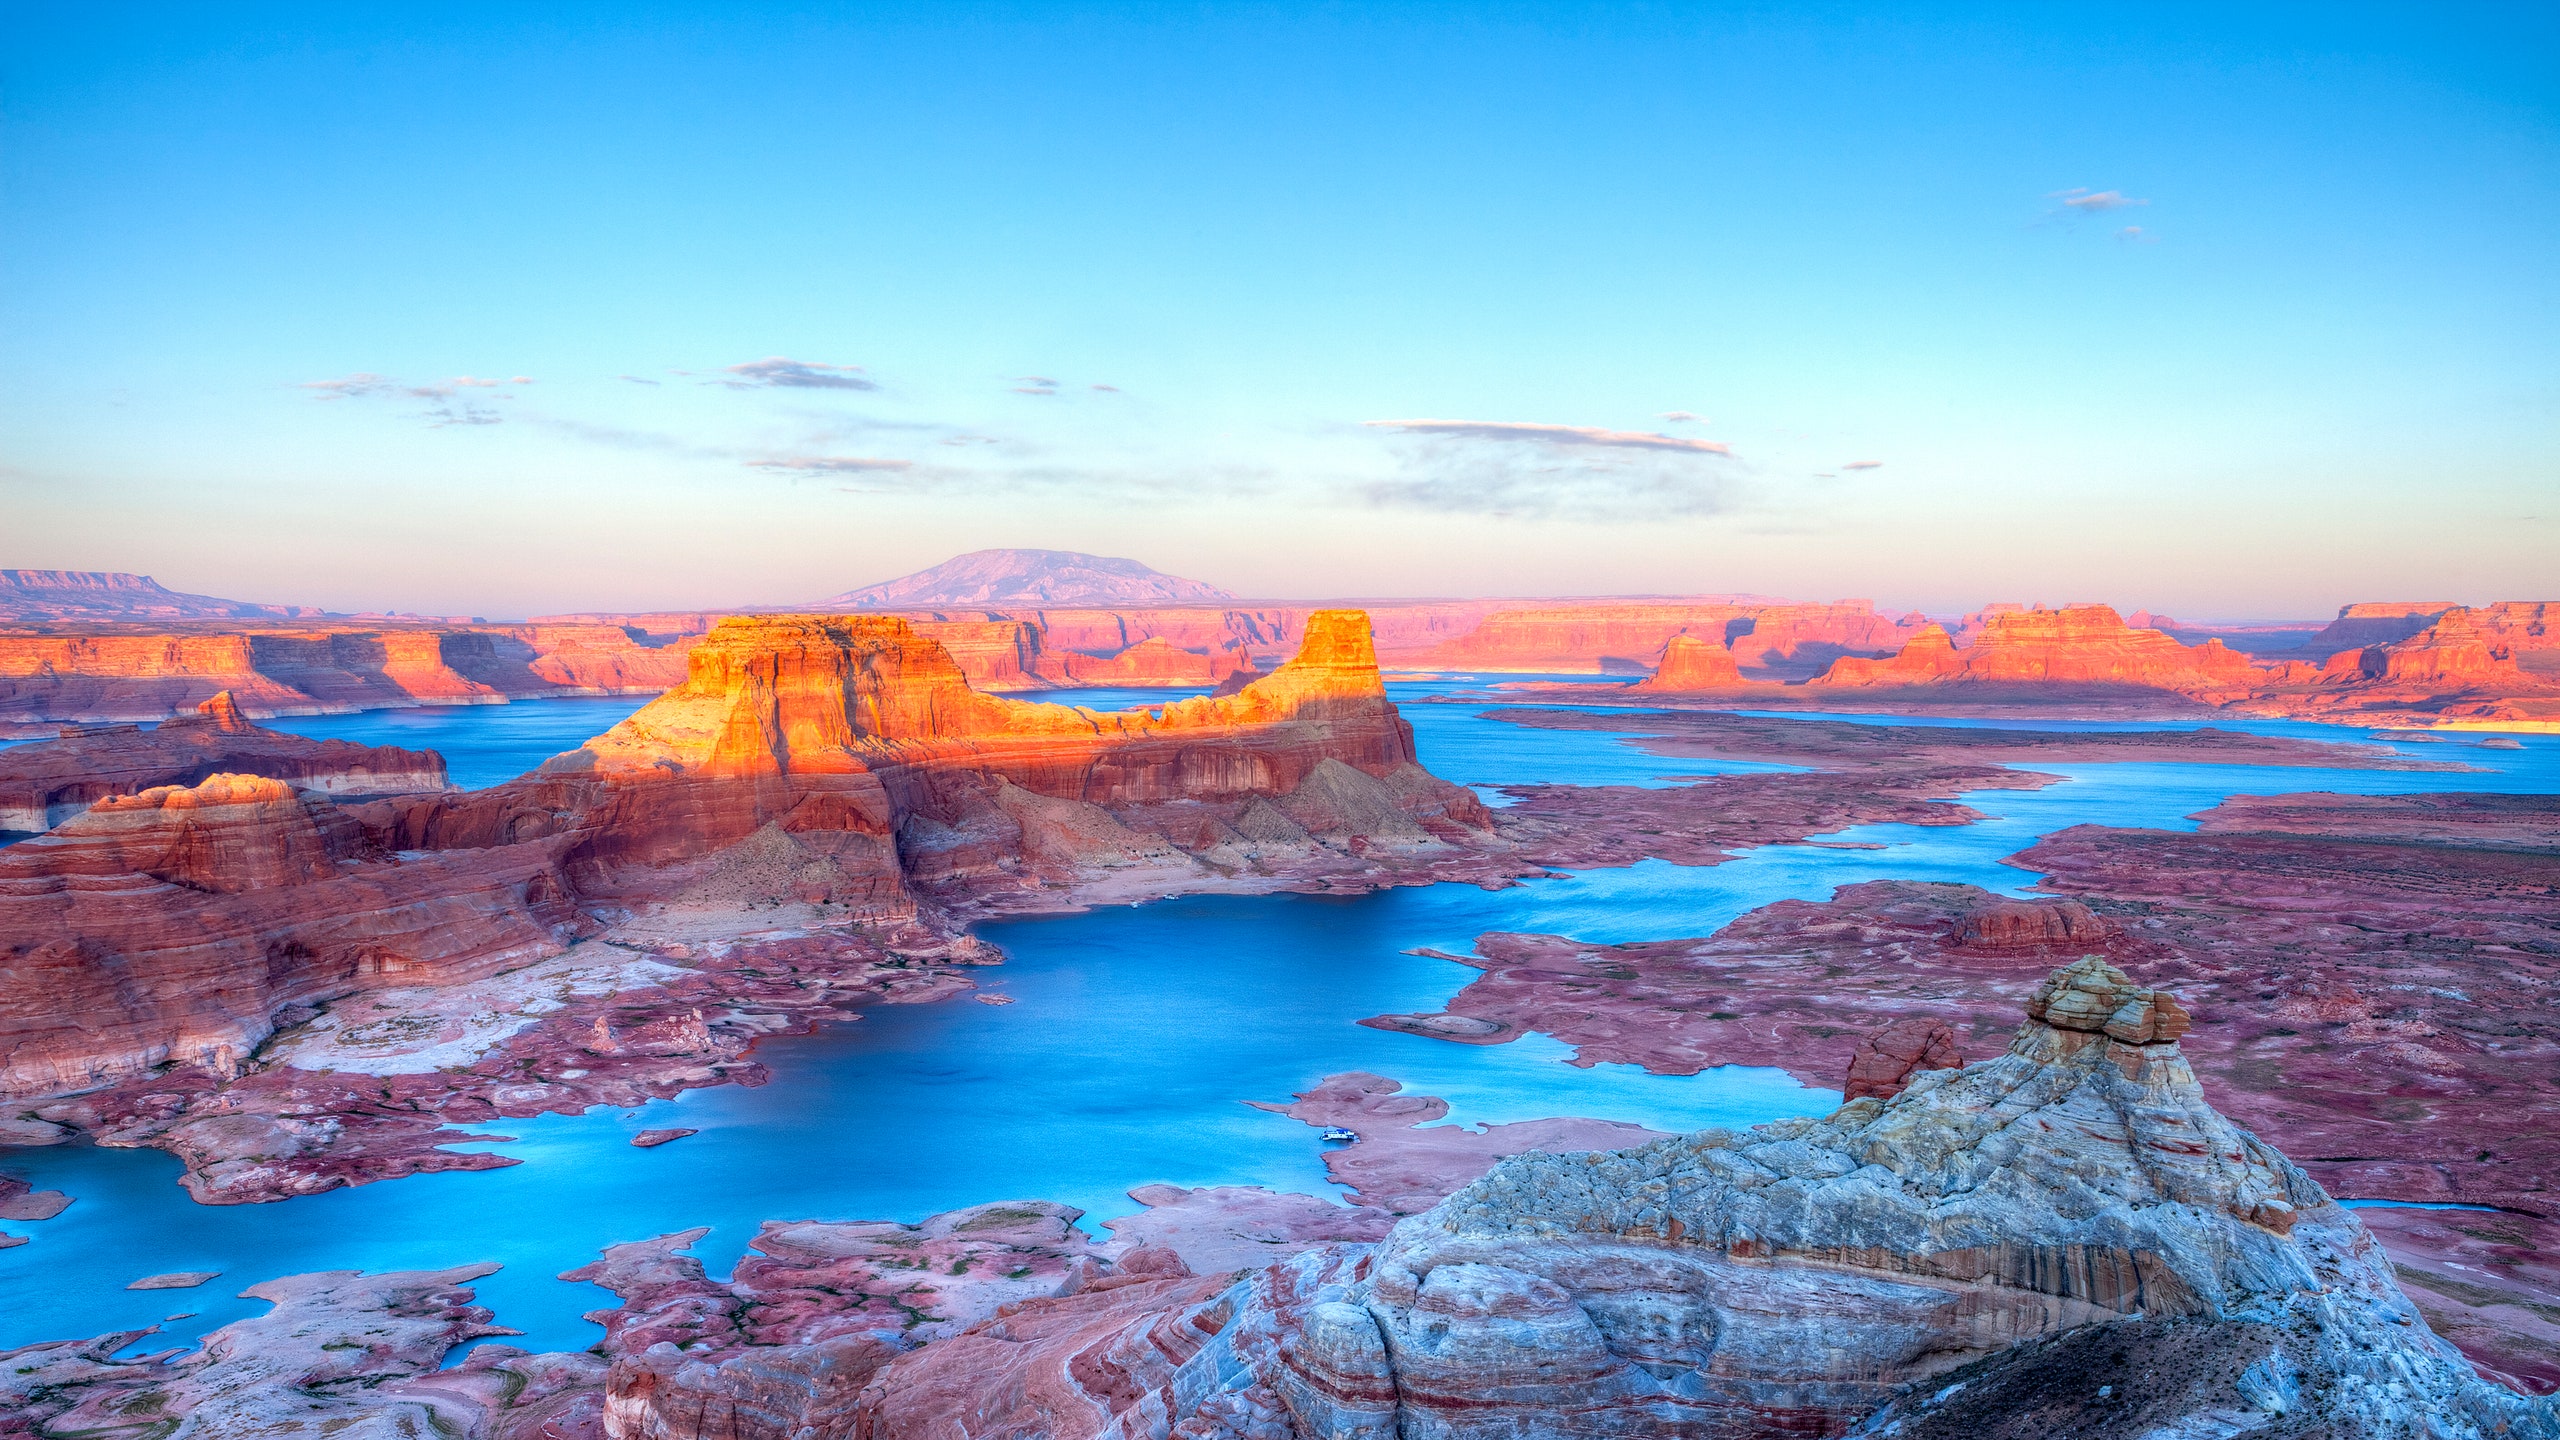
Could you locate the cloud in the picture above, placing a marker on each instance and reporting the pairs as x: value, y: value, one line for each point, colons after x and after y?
x: 637, y: 379
x: 777, y: 372
x: 1107, y: 389
x: 1518, y: 469
x: 443, y: 406
x: 1034, y: 385
x: 830, y: 464
x: 2136, y: 235
x: 348, y: 387
x: 1685, y: 417
x: 1864, y: 465
x: 2081, y: 200
x: 1523, y: 432
x: 620, y: 439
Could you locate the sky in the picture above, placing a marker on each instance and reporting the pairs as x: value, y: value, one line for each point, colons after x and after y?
x: 510, y: 310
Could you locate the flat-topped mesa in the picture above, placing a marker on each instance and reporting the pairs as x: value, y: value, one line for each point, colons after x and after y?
x: 2078, y: 647
x: 843, y: 695
x: 1689, y: 663
x: 2451, y: 652
x: 44, y: 783
x: 861, y: 737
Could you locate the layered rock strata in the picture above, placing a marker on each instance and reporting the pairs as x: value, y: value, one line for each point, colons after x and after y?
x: 1777, y: 639
x: 2080, y: 647
x: 837, y: 777
x: 110, y: 672
x: 1689, y: 663
x: 47, y: 782
x: 169, y: 926
x: 2073, y: 1199
x: 2068, y: 1236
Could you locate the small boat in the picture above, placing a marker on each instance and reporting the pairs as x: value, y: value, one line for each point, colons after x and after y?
x: 1339, y: 1136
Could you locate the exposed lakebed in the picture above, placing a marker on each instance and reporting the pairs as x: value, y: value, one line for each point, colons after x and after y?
x: 1136, y: 1037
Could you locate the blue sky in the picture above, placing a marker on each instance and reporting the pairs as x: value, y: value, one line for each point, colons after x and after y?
x: 2218, y: 316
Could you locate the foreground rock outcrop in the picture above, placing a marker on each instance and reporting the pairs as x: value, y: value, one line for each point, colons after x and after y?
x: 1942, y: 1259
x: 2067, y: 1239
x: 49, y: 781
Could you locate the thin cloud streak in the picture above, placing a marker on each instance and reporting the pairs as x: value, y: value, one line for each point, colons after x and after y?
x: 831, y: 464
x: 1864, y: 465
x: 1509, y: 431
x: 2085, y: 201
x: 780, y: 372
x: 443, y: 408
x: 1520, y: 470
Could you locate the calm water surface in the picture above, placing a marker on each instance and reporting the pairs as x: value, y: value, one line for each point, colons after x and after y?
x: 1137, y: 1036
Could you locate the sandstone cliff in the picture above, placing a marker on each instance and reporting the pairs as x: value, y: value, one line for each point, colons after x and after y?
x: 833, y: 761
x: 121, y: 672
x: 2081, y: 648
x: 1780, y: 639
x: 1689, y: 663
x: 171, y: 925
x: 45, y: 783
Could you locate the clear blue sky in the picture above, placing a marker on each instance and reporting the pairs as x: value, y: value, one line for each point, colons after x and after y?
x: 2217, y: 314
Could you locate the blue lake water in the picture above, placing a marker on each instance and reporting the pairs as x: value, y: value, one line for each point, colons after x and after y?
x: 1137, y: 1035
x: 481, y: 744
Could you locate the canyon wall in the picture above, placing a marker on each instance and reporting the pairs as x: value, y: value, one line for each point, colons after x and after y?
x: 1691, y: 664
x: 89, y: 673
x: 844, y: 762
x: 2080, y: 648
x: 47, y: 782
x: 1777, y: 639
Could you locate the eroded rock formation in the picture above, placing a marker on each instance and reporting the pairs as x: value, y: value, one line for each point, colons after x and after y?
x: 47, y: 782
x: 2084, y: 647
x: 1780, y: 639
x: 102, y: 671
x: 842, y: 767
x: 1689, y: 663
x: 168, y: 926
x: 2072, y: 1199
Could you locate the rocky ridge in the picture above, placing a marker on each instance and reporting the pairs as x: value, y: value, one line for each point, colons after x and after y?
x: 47, y: 782
x: 119, y: 671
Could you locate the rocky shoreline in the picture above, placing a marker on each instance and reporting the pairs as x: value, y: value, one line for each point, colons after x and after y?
x: 2044, y: 1242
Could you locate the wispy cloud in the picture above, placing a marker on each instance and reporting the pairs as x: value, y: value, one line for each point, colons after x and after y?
x: 778, y: 372
x: 1685, y: 417
x: 1521, y: 469
x: 1864, y: 465
x: 2136, y: 235
x: 1107, y: 389
x: 638, y: 379
x: 830, y: 464
x: 348, y: 387
x: 1524, y: 432
x: 444, y: 405
x: 1034, y: 385
x: 2085, y: 201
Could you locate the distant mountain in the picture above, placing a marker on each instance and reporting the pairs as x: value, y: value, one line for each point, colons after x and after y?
x: 1029, y: 577
x: 114, y: 595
